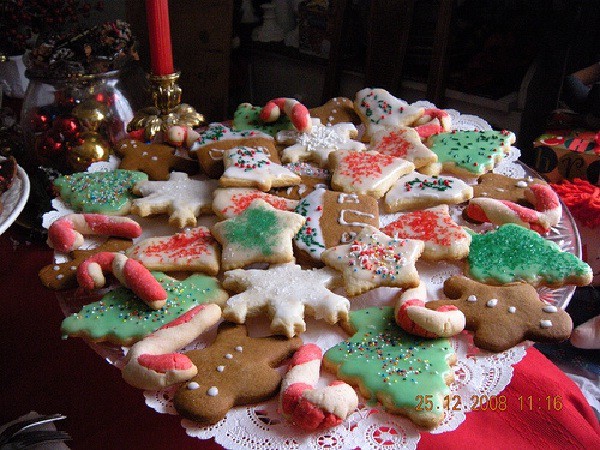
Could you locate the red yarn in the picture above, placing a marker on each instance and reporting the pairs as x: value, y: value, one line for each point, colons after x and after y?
x: 583, y: 200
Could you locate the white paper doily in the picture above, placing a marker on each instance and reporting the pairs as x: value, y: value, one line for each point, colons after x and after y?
x: 478, y: 375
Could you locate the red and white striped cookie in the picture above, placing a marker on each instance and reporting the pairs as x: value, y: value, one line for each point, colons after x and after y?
x: 296, y: 111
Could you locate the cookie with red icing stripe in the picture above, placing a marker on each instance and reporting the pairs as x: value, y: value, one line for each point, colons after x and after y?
x: 230, y: 202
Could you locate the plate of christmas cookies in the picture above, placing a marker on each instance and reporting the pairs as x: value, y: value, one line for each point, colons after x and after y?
x: 353, y: 274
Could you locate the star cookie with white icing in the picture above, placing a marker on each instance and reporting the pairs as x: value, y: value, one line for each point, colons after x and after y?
x: 503, y: 316
x: 182, y: 198
x: 286, y: 293
x: 373, y: 260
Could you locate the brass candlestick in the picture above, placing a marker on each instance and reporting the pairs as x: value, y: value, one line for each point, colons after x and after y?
x: 167, y: 110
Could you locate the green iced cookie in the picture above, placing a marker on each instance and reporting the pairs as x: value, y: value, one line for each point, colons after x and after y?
x: 246, y: 117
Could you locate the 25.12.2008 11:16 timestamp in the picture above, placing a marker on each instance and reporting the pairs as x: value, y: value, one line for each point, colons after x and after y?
x: 492, y: 403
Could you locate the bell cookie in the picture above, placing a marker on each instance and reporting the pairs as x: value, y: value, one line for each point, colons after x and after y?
x: 374, y: 259
x: 286, y: 292
x: 247, y: 117
x: 513, y: 253
x: 234, y: 370
x: 260, y: 233
x: 396, y: 368
x: 416, y: 190
x: 121, y: 318
x: 230, y: 202
x: 367, y: 173
x: 155, y: 160
x: 100, y: 192
x: 403, y: 143
x: 503, y: 316
x: 443, y: 238
x: 181, y: 197
x: 471, y: 153
x: 311, y: 178
x: 192, y: 250
x: 333, y: 218
x: 336, y: 110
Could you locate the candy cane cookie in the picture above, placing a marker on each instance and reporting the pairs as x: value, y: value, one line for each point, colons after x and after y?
x: 66, y: 234
x: 296, y: 111
x: 414, y: 318
x: 547, y: 212
x: 133, y: 274
x: 181, y: 136
x: 152, y: 363
x: 311, y: 408
x: 432, y: 121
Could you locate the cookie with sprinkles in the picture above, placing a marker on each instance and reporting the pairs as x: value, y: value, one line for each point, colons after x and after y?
x: 394, y: 367
x: 380, y: 110
x: 121, y: 318
x: 230, y: 202
x: 247, y: 117
x: 471, y: 153
x: 235, y: 369
x: 513, y: 253
x: 311, y: 177
x: 374, y: 259
x: 403, y: 143
x: 504, y: 316
x: 443, y: 238
x: 368, y: 173
x: 416, y: 190
x: 100, y: 192
x: 192, y: 250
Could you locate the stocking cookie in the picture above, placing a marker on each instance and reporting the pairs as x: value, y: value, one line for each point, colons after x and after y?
x: 513, y: 253
x: 403, y: 143
x: 394, y: 367
x: 260, y: 233
x: 503, y: 316
x: 316, y: 145
x: 192, y: 250
x: 122, y: 318
x: 155, y: 160
x: 336, y: 110
x: 285, y: 292
x: 100, y: 192
x: 421, y: 191
x: 311, y: 178
x: 443, y: 238
x: 251, y: 167
x: 333, y: 218
x: 501, y: 187
x: 368, y: 172
x: 230, y: 202
x: 182, y: 198
x: 59, y: 276
x: 374, y: 259
x: 380, y: 110
x: 234, y: 370
x: 471, y: 153
x: 247, y: 117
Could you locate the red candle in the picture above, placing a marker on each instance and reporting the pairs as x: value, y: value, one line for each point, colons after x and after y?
x: 159, y: 32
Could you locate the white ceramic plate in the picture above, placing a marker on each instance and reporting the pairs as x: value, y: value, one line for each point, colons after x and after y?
x: 13, y: 200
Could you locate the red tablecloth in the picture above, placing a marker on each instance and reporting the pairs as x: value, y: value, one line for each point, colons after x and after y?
x: 41, y: 372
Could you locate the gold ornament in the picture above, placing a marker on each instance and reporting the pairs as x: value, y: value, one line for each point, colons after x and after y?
x: 91, y: 148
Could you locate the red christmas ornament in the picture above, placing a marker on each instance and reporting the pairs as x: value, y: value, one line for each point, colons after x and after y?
x: 67, y: 127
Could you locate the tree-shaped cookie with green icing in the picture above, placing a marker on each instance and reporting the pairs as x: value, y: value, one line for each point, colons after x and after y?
x: 120, y: 317
x: 408, y: 374
x: 100, y: 192
x: 513, y: 253
x: 260, y: 233
x: 470, y: 153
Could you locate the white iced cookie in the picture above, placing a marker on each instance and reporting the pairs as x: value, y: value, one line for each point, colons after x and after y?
x: 230, y: 202
x: 403, y: 143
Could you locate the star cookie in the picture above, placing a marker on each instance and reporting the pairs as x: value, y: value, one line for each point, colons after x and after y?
x: 513, y: 253
x: 416, y: 190
x: 394, y: 367
x: 403, y: 143
x: 443, y: 238
x: 192, y: 250
x: 471, y: 153
x: 374, y: 259
x: 260, y: 233
x: 234, y: 370
x: 285, y: 292
x: 318, y: 143
x: 64, y: 275
x: 180, y: 197
x: 503, y: 316
x: 155, y: 160
x: 120, y: 317
x: 380, y: 110
x: 230, y: 202
x: 251, y: 167
x: 368, y: 172
x: 336, y: 110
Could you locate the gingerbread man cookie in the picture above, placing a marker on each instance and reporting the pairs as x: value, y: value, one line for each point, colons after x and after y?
x: 234, y: 370
x: 501, y: 187
x: 336, y: 110
x: 503, y: 316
